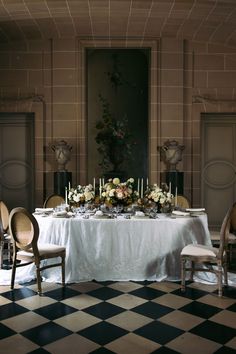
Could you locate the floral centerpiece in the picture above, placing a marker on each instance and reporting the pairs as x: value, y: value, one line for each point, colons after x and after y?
x: 161, y: 196
x: 81, y: 195
x: 115, y: 192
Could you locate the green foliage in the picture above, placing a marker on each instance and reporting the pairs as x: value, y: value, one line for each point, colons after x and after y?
x: 114, y: 140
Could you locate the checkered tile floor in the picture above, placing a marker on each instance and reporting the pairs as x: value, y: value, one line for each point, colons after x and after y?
x: 117, y: 317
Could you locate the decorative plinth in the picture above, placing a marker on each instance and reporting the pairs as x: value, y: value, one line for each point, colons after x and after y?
x: 177, y: 180
x: 61, y: 180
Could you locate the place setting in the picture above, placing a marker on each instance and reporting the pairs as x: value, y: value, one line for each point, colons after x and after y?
x: 116, y: 199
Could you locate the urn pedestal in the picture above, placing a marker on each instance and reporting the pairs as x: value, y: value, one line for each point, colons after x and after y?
x: 61, y: 180
x: 176, y: 179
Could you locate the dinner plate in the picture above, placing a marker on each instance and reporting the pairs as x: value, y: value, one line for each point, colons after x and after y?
x: 60, y: 215
x: 43, y: 211
x: 180, y: 213
x: 193, y: 210
x: 100, y: 217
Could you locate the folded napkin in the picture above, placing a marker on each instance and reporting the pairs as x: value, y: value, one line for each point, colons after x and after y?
x: 139, y: 214
x: 60, y: 213
x: 180, y: 213
x: 43, y: 210
x: 99, y: 213
x: 192, y: 210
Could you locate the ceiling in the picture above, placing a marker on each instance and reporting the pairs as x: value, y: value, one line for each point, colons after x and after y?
x: 200, y: 20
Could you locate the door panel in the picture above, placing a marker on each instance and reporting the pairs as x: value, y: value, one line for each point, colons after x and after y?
x: 218, y: 165
x: 17, y: 160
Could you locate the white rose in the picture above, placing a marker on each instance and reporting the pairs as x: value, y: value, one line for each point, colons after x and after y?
x: 131, y: 180
x: 116, y: 181
x: 76, y: 198
x: 88, y: 196
x: 120, y: 195
x: 111, y: 193
x: 162, y: 200
x: 70, y: 195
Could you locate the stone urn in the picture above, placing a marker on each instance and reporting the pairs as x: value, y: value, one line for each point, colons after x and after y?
x: 171, y: 153
x: 62, y: 154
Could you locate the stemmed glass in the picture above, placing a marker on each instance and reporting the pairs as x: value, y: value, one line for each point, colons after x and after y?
x: 117, y: 209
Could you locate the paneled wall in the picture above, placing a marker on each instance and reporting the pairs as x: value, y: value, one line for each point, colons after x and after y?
x: 48, y: 78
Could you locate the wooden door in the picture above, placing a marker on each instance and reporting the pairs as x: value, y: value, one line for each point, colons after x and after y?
x: 17, y: 160
x: 218, y: 165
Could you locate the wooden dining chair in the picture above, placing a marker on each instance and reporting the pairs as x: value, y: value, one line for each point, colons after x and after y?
x: 5, y: 244
x: 182, y: 202
x: 201, y: 258
x: 24, y: 230
x: 53, y: 200
x: 215, y: 236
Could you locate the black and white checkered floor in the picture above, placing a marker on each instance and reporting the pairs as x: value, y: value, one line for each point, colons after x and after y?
x: 117, y: 317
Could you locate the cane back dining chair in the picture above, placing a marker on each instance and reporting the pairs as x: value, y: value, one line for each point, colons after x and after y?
x: 52, y: 201
x: 214, y: 259
x: 215, y: 236
x: 182, y: 202
x: 5, y: 237
x: 24, y: 230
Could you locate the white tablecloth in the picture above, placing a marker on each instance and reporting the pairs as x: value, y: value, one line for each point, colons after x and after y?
x: 118, y: 249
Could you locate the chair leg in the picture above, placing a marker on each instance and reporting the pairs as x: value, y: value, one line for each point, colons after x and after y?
x: 38, y: 279
x: 230, y: 253
x: 225, y: 274
x: 192, y: 270
x: 220, y: 273
x: 1, y: 254
x: 13, y: 273
x: 183, y: 274
x: 63, y: 270
x: 9, y: 252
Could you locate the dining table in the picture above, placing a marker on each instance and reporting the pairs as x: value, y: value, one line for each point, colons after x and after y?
x: 122, y: 248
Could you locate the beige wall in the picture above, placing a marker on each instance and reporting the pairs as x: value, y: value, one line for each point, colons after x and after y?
x: 48, y: 78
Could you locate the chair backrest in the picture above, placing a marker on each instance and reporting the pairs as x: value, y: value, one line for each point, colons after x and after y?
x: 225, y: 229
x: 1, y: 239
x: 233, y: 221
x: 24, y: 230
x: 4, y: 217
x: 53, y: 201
x: 182, y: 202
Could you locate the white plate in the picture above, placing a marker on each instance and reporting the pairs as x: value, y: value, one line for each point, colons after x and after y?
x: 100, y: 217
x: 62, y: 214
x: 193, y: 210
x: 180, y: 213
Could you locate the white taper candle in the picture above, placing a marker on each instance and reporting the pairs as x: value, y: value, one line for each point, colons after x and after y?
x: 66, y: 200
x: 142, y: 188
x: 176, y: 196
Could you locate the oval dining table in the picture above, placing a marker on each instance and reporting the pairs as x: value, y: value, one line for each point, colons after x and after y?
x: 121, y: 249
